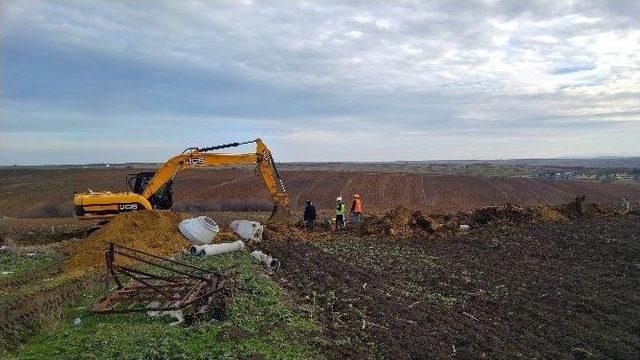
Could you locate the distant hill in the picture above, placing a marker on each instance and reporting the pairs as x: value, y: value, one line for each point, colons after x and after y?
x: 604, y: 162
x: 598, y: 162
x: 587, y: 163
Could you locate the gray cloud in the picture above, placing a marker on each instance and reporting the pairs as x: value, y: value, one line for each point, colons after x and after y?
x: 557, y: 71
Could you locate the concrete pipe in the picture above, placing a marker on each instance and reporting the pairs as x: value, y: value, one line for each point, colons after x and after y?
x: 248, y: 230
x: 199, y: 230
x: 216, y: 249
x: 267, y: 260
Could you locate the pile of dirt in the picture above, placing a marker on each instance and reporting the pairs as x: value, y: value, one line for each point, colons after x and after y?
x: 400, y: 222
x: 545, y: 212
x: 505, y: 214
x: 509, y: 214
x: 403, y: 222
x: 580, y: 208
x: 155, y: 232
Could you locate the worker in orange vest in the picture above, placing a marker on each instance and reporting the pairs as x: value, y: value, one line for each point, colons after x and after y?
x: 356, y: 210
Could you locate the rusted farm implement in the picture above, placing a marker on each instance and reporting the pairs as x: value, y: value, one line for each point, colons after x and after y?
x: 161, y: 284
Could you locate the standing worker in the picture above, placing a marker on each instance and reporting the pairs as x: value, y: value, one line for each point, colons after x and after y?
x: 309, y: 215
x: 340, y: 209
x: 356, y: 210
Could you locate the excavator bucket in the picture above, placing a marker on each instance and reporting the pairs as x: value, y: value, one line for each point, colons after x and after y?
x: 280, y: 215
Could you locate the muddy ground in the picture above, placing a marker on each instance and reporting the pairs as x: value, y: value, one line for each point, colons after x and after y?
x: 545, y: 290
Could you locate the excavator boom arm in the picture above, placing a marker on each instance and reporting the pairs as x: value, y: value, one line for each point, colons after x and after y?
x: 193, y: 160
x: 199, y: 157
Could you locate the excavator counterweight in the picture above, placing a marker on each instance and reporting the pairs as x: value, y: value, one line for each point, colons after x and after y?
x: 154, y: 190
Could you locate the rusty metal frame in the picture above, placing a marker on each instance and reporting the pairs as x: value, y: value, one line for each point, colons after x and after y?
x: 161, y: 285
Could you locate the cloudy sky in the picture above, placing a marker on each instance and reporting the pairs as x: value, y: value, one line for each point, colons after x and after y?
x: 120, y: 81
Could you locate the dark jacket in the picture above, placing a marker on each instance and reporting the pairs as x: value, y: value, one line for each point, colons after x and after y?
x: 309, y: 212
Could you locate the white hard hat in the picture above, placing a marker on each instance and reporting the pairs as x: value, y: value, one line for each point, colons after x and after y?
x: 339, y: 198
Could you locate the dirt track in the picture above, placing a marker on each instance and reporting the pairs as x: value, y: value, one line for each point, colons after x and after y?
x: 46, y: 192
x: 542, y: 291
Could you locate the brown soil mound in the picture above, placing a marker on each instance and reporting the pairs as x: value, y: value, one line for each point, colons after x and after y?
x: 580, y: 208
x: 155, y: 232
x: 402, y: 222
x: 547, y: 213
x: 399, y: 221
x: 504, y: 214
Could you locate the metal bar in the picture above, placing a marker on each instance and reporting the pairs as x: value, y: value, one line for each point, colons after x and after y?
x: 145, y: 287
x: 167, y: 286
x: 109, y: 259
x: 177, y: 305
x: 140, y: 299
x: 193, y: 292
x: 160, y: 266
x: 128, y: 293
x: 150, y: 276
x: 179, y: 285
x: 146, y: 283
x: 163, y: 258
x: 124, y: 311
x: 188, y: 302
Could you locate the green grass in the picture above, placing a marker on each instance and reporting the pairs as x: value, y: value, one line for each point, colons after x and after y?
x: 20, y: 266
x: 260, y: 322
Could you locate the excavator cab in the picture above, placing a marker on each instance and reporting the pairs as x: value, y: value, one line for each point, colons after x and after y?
x: 138, y: 182
x: 162, y: 199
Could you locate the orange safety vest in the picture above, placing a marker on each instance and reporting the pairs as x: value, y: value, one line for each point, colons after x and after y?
x: 357, y: 205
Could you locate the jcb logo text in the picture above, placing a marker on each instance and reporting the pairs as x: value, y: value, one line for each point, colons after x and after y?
x: 128, y: 207
x: 195, y: 161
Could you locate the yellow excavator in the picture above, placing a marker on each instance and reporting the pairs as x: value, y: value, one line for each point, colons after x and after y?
x: 154, y: 190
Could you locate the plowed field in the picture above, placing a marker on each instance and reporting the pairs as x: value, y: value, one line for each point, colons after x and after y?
x: 48, y: 193
x: 565, y: 290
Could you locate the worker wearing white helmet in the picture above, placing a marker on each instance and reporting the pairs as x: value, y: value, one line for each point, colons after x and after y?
x: 340, y: 210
